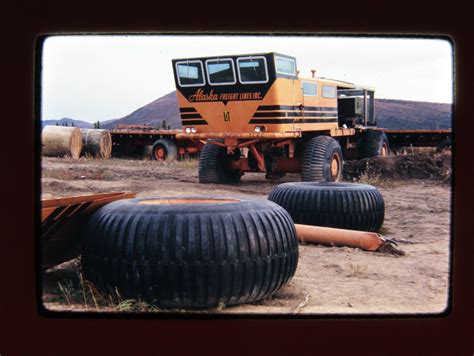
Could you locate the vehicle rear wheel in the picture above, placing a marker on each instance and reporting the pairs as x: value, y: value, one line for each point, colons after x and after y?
x: 339, y: 205
x: 373, y: 143
x: 322, y: 160
x: 214, y: 165
x: 163, y: 150
x: 190, y: 252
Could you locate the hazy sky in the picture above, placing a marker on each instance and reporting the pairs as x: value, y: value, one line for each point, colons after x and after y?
x: 94, y: 78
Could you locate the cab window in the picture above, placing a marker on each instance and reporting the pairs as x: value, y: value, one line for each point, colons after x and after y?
x: 190, y: 73
x: 220, y: 71
x: 252, y: 70
x: 329, y: 91
x: 285, y: 66
x: 309, y: 89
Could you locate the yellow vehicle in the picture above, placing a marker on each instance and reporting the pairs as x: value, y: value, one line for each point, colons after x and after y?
x: 254, y: 113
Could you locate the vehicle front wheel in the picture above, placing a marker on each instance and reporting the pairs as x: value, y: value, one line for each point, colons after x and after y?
x: 214, y: 165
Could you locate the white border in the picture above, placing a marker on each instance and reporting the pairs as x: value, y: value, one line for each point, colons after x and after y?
x: 308, y: 82
x: 328, y: 97
x: 286, y: 59
x: 190, y: 85
x: 217, y: 60
x: 253, y: 82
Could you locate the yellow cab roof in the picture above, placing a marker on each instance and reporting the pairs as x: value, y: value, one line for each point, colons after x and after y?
x: 339, y: 83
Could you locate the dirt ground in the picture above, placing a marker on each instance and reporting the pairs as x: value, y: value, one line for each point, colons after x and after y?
x: 328, y: 280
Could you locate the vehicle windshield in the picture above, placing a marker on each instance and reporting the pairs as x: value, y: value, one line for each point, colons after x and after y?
x: 220, y: 71
x: 252, y: 70
x: 190, y: 73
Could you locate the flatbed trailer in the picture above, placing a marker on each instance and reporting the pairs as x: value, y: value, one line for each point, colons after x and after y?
x: 133, y: 140
x: 129, y: 142
x: 417, y: 138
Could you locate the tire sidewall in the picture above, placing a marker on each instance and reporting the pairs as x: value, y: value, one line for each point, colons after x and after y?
x: 171, y: 151
x: 334, y: 149
x: 317, y: 157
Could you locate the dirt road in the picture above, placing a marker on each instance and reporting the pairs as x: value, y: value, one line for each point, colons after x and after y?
x: 328, y: 280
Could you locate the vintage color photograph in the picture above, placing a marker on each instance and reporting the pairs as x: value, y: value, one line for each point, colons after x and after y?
x: 245, y: 175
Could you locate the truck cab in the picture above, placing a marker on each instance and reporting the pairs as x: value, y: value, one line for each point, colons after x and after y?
x: 259, y: 110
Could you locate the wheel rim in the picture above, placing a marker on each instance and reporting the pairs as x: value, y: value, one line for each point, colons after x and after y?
x: 160, y: 153
x: 335, y: 167
x: 384, y: 150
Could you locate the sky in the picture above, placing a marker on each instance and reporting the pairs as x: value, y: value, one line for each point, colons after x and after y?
x: 98, y: 78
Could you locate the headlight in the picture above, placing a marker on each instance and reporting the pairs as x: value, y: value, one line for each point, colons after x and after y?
x: 193, y: 130
x: 188, y: 130
x: 258, y: 129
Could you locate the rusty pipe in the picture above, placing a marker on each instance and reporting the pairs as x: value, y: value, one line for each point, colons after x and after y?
x: 369, y: 241
x: 258, y: 157
x: 239, y: 135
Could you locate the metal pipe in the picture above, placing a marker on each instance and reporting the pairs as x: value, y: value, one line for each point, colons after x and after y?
x: 242, y: 135
x: 369, y: 241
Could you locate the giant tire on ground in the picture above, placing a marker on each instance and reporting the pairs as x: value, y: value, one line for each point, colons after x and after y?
x: 214, y: 165
x: 164, y: 150
x: 190, y: 252
x: 322, y: 160
x: 340, y: 205
x: 373, y: 143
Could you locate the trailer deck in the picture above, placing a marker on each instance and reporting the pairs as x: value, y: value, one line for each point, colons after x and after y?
x: 130, y: 140
x: 416, y: 138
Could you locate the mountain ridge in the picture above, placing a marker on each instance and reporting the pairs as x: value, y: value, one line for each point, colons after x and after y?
x: 389, y: 113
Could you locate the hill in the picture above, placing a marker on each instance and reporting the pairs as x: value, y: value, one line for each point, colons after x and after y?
x: 65, y: 121
x: 390, y: 114
x: 403, y: 114
x: 153, y: 114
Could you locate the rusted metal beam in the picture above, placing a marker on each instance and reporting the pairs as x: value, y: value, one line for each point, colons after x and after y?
x: 62, y: 223
x: 342, y: 132
x: 238, y: 135
x: 258, y: 157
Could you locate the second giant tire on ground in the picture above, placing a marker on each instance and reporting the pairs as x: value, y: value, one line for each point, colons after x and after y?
x: 190, y: 252
x: 164, y: 149
x: 322, y: 160
x: 339, y: 205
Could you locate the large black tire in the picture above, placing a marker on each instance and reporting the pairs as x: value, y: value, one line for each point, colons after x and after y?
x: 322, y: 160
x: 340, y: 205
x: 164, y: 150
x: 213, y: 165
x: 190, y: 252
x: 373, y: 143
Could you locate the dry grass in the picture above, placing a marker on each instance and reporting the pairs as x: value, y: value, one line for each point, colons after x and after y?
x: 357, y: 270
x: 68, y: 287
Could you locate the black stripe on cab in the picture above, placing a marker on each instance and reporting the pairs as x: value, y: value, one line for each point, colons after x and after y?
x: 312, y: 114
x: 187, y: 110
x: 194, y: 122
x: 278, y: 107
x: 297, y: 108
x: 269, y: 114
x: 293, y: 114
x: 291, y: 121
x: 191, y: 116
x: 319, y: 108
